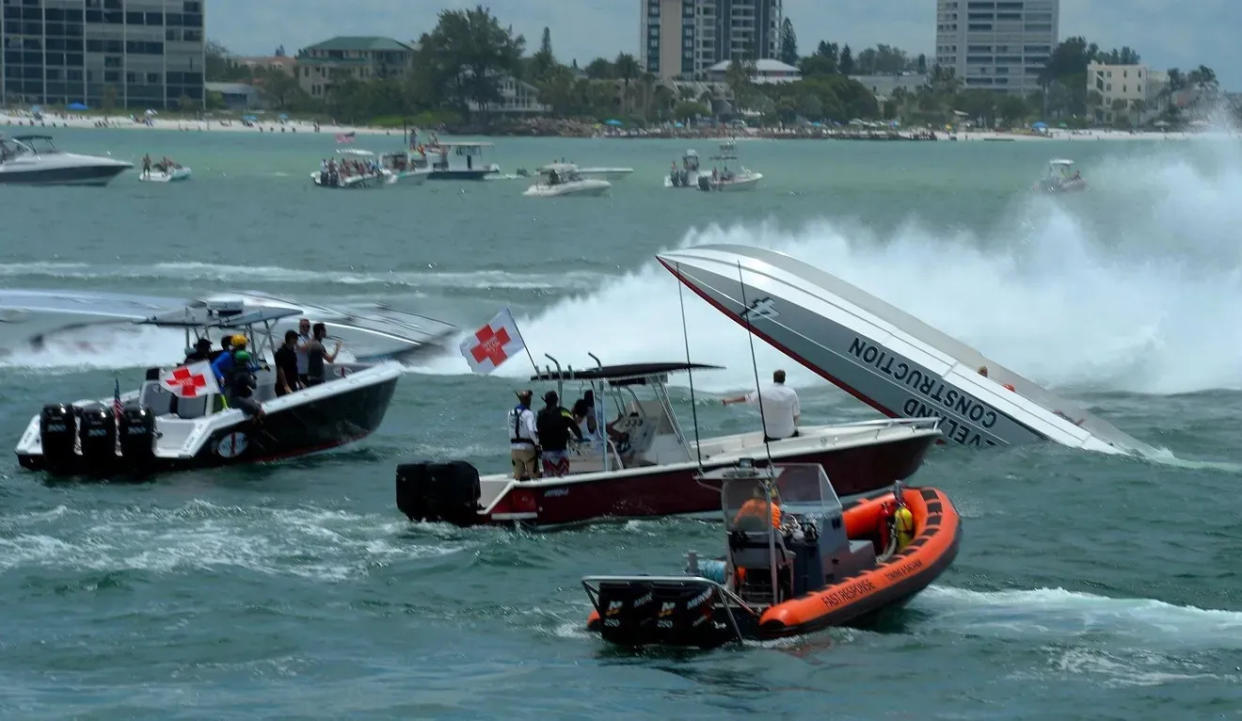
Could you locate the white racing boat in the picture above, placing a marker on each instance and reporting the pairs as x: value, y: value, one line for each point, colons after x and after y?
x: 31, y: 320
x: 563, y: 179
x: 34, y: 160
x: 605, y: 173
x: 885, y: 357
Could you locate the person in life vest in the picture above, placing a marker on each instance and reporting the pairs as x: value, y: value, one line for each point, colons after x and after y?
x: 756, y: 508
x: 523, y: 439
x: 903, y: 523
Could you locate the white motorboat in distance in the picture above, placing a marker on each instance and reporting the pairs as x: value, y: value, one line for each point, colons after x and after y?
x: 1061, y: 177
x: 455, y: 160
x: 563, y: 179
x: 401, y: 170
x: 352, y: 170
x: 162, y: 174
x: 884, y: 356
x: 605, y: 173
x: 35, y: 160
x: 739, y: 177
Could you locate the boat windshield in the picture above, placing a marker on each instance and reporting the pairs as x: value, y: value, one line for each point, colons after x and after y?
x: 39, y: 144
x: 749, y: 493
x: 11, y: 149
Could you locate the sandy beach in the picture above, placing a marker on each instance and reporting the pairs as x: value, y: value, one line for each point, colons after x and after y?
x: 14, y: 120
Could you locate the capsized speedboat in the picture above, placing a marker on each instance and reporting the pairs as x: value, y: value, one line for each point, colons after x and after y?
x: 178, y: 419
x: 884, y: 356
x: 37, y: 318
x: 642, y: 464
x: 1061, y: 177
x: 35, y: 160
x: 563, y: 179
x: 796, y: 561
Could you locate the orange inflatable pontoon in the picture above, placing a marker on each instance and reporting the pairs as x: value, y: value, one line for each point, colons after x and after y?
x: 797, y: 561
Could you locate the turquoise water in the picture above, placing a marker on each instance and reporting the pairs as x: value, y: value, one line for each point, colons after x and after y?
x: 1087, y: 586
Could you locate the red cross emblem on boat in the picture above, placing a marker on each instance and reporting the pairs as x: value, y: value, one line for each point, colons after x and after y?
x: 184, y: 383
x: 491, y: 345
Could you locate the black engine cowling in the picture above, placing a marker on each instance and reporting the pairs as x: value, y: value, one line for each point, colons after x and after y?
x: 137, y: 428
x: 439, y: 492
x: 97, y: 434
x: 58, y: 431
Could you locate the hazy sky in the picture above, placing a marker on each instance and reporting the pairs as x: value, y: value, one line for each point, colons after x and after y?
x: 1168, y: 33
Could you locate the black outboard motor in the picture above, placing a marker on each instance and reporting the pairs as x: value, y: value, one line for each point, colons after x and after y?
x: 439, y: 492
x: 58, y: 433
x: 137, y: 429
x: 705, y: 183
x: 97, y: 433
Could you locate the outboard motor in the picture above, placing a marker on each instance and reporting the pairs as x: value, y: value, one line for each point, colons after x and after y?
x: 439, y: 492
x: 58, y: 433
x: 137, y: 429
x: 705, y: 183
x: 97, y: 433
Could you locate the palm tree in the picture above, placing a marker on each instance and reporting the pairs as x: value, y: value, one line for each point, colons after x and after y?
x: 627, y: 69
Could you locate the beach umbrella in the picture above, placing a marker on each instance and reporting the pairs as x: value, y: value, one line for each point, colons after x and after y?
x: 678, y: 124
x: 613, y: 122
x: 36, y: 109
x: 1040, y: 125
x: 77, y: 106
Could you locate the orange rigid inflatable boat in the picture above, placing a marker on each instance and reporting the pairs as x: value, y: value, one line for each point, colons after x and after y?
x: 797, y: 562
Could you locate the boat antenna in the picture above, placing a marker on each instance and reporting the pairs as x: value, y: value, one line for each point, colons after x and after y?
x: 694, y: 409
x: 750, y: 334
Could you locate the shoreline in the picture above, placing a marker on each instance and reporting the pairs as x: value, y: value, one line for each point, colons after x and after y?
x: 15, y: 122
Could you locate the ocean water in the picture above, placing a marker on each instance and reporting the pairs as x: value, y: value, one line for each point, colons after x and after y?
x: 1087, y: 586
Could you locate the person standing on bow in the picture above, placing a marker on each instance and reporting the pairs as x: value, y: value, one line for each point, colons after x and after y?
x: 523, y: 439
x: 779, y: 408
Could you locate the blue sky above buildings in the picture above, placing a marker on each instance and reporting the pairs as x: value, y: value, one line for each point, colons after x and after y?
x: 1168, y: 33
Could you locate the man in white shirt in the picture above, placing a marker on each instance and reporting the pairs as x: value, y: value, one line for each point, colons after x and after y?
x: 523, y: 439
x: 780, y: 409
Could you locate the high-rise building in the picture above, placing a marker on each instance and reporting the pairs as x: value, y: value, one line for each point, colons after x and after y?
x: 131, y: 53
x: 683, y: 38
x: 996, y: 44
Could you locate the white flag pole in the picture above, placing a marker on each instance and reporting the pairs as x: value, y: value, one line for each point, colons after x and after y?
x: 524, y: 346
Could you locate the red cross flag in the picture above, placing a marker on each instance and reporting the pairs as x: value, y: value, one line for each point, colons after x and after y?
x: 493, y: 344
x: 192, y: 381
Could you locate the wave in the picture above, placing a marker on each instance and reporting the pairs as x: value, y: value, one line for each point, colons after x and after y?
x: 215, y: 272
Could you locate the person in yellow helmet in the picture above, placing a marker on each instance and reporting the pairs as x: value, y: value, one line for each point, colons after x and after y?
x: 903, y: 522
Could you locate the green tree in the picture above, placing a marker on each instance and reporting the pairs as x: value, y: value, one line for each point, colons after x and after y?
x: 921, y: 69
x: 467, y: 54
x: 542, y: 62
x: 817, y: 65
x: 600, y: 69
x: 687, y: 110
x: 847, y: 61
x: 218, y: 68
x: 278, y: 87
x: 1202, y: 77
x: 737, y: 77
x: 789, y: 43
x: 810, y: 106
x: 626, y: 68
x: 1012, y: 109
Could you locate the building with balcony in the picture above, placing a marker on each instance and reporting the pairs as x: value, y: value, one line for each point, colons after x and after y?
x: 1125, y: 91
x: 322, y: 66
x: 996, y: 44
x: 683, y: 39
x: 129, y: 53
x: 517, y: 97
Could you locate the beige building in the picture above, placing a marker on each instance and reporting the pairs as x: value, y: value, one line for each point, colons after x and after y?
x: 1137, y: 86
x: 996, y: 44
x: 682, y: 39
x: 322, y: 66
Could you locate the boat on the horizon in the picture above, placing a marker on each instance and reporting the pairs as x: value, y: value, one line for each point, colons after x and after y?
x: 160, y: 173
x: 727, y: 179
x: 796, y: 560
x: 562, y: 180
x: 458, y: 160
x: 355, y: 169
x: 643, y: 464
x: 401, y: 169
x: 687, y: 176
x: 884, y: 356
x: 170, y: 424
x: 35, y: 160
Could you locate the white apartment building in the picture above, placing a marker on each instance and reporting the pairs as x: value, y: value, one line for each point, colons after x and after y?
x: 1132, y: 84
x: 684, y: 38
x: 996, y: 44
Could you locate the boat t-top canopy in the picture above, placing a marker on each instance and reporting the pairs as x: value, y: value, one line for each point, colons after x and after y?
x: 559, y: 168
x: 356, y: 151
x: 461, y: 144
x: 27, y: 138
x: 1060, y: 161
x: 624, y: 374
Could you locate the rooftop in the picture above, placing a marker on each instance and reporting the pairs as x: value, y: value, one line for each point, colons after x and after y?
x: 359, y: 42
x: 763, y: 65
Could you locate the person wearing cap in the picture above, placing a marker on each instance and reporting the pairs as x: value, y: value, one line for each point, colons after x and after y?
x: 224, y: 363
x: 523, y: 439
x: 201, y: 352
x: 555, y: 425
x: 242, y: 385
